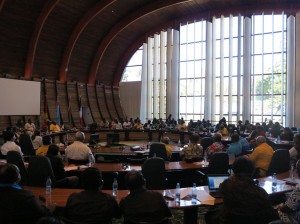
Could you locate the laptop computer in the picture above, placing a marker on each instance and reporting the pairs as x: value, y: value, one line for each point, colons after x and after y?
x: 214, y: 182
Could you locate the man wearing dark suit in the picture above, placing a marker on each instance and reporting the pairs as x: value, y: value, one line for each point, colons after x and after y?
x: 17, y: 205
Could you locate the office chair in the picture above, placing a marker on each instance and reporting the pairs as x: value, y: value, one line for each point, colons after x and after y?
x: 280, y: 162
x: 15, y: 157
x: 154, y: 170
x: 26, y: 145
x: 159, y: 150
x: 39, y: 169
x: 218, y: 164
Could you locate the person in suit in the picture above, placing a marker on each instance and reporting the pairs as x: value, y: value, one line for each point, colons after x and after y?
x: 17, y: 205
x: 142, y: 205
x: 92, y: 205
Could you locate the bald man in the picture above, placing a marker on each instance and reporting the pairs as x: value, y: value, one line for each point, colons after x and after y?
x: 78, y: 150
x: 262, y: 155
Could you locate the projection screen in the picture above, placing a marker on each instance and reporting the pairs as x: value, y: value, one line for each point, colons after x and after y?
x: 19, y: 97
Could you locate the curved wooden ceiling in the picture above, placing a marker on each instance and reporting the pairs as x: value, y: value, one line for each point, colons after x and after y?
x: 92, y: 40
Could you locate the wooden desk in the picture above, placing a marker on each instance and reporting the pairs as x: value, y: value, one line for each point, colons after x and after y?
x: 60, y: 196
x: 282, y: 187
x: 119, y: 167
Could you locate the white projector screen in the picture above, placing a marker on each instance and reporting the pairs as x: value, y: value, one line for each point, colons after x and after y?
x: 19, y: 97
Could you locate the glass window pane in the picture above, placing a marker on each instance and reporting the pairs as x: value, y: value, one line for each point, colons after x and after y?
x: 190, y: 69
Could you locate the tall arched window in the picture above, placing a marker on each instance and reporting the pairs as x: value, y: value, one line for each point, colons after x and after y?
x: 232, y: 67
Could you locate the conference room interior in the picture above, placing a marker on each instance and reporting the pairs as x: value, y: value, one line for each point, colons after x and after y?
x: 99, y: 62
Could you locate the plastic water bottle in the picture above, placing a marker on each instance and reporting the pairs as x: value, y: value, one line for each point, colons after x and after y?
x: 48, y: 186
x: 90, y: 160
x: 177, y: 193
x: 194, y: 194
x: 274, y: 182
x: 115, y: 187
x: 278, y: 139
x: 179, y: 143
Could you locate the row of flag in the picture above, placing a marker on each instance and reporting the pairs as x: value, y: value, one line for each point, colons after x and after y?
x: 58, y: 114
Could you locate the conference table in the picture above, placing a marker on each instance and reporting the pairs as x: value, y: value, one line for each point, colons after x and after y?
x: 59, y: 196
x: 124, y: 167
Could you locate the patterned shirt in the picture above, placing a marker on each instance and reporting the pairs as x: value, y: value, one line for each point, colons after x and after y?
x: 192, y: 151
x: 215, y: 147
x: 293, y: 202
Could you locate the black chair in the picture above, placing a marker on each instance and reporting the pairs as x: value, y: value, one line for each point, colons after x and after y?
x: 154, y: 171
x: 26, y: 145
x: 39, y: 169
x: 280, y: 162
x: 206, y: 141
x: 218, y: 164
x: 15, y: 157
x: 158, y: 150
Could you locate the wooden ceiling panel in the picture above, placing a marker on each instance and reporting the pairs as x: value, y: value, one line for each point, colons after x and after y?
x: 119, y: 25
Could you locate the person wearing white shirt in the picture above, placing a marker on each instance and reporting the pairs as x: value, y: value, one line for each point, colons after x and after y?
x: 78, y: 150
x: 30, y: 127
x: 37, y: 140
x: 10, y: 145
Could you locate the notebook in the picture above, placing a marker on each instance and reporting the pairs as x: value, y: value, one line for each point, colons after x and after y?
x: 214, y: 182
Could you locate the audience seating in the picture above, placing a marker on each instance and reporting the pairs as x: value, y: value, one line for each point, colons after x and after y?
x: 39, y: 169
x: 159, y: 150
x: 26, y: 145
x: 280, y: 162
x: 154, y: 170
x: 15, y: 157
x: 205, y: 142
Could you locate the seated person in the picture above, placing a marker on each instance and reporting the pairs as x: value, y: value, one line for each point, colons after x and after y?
x: 223, y: 130
x: 261, y: 156
x: 245, y: 145
x: 10, y: 144
x: 58, y: 169
x: 78, y: 150
x: 29, y: 127
x: 166, y: 141
x: 37, y: 139
x: 295, y: 150
x: 42, y: 151
x: 17, y: 205
x: 235, y: 147
x: 54, y: 127
x: 142, y: 205
x: 289, y: 211
x: 91, y: 205
x: 193, y: 151
x: 217, y: 146
x: 244, y: 201
x: 287, y: 134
